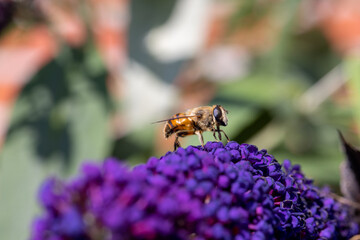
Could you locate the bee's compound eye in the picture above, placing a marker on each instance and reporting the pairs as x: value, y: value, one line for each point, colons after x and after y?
x: 219, y: 117
x: 217, y: 113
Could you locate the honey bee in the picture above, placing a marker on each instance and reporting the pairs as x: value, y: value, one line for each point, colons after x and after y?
x: 196, y: 121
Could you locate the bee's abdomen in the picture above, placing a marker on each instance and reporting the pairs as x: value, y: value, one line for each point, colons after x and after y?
x: 176, y: 125
x: 168, y: 130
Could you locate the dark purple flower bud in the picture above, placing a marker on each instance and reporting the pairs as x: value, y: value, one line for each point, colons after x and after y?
x: 222, y: 155
x: 289, y: 182
x: 291, y: 195
x: 158, y: 180
x: 223, y: 181
x: 152, y: 163
x: 212, y: 207
x: 223, y: 214
x: 268, y: 202
x: 220, y: 232
x: 294, y: 222
x: 169, y: 171
x: 168, y: 206
x: 191, y: 184
x: 232, y: 173
x: 311, y: 194
x: 92, y: 171
x: 203, y: 188
x: 50, y: 193
x: 258, y: 235
x: 283, y: 215
x: 279, y: 187
x: 232, y: 145
x: 69, y: 223
x: 39, y: 226
x: 328, y: 232
x: 287, y: 165
x: 212, y: 146
x: 310, y: 224
x: 238, y: 213
x: 194, y: 162
x: 235, y: 155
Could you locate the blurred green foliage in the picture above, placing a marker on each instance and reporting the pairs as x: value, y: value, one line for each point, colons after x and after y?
x: 60, y: 119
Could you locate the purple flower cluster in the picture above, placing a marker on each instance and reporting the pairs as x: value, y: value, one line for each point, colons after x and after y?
x: 216, y: 192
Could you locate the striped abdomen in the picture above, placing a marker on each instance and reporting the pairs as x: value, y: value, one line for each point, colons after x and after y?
x: 182, y: 126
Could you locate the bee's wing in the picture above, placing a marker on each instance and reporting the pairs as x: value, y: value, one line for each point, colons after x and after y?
x: 165, y: 120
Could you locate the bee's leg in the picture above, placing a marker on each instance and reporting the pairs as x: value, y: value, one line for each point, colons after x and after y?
x: 214, y: 134
x: 227, y: 138
x: 176, y: 143
x: 181, y: 134
x: 201, y: 139
x: 218, y: 130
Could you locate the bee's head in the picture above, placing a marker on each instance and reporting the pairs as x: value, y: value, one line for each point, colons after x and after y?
x: 219, y: 114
